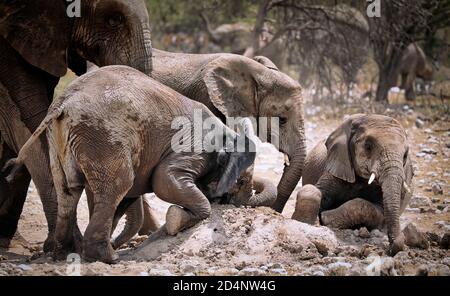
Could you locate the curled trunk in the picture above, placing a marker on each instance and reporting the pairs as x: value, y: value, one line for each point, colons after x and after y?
x: 291, y: 177
x: 266, y: 193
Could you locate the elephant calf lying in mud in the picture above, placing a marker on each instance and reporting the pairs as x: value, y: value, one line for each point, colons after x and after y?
x: 360, y: 176
x: 111, y: 133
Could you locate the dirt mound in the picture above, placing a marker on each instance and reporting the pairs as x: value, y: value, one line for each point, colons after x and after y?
x: 241, y: 236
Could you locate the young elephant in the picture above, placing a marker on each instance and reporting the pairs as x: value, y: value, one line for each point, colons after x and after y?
x: 360, y: 175
x: 111, y: 132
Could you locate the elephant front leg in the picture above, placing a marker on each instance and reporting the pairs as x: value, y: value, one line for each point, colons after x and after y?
x: 308, y: 204
x: 356, y: 212
x: 174, y: 185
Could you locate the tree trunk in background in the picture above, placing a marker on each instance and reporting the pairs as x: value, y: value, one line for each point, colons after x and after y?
x: 388, y: 74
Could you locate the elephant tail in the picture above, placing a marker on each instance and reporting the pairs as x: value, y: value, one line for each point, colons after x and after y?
x: 15, y: 164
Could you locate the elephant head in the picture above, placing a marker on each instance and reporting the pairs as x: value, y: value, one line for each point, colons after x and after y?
x: 374, y: 148
x: 231, y: 165
x: 106, y: 33
x: 239, y: 86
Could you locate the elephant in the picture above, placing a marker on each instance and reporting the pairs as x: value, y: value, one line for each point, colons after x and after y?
x: 38, y: 43
x: 236, y: 86
x: 238, y: 38
x: 413, y: 63
x: 360, y: 175
x: 121, y: 134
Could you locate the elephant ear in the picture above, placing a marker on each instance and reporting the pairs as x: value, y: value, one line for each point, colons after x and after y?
x: 231, y: 86
x: 266, y: 62
x: 339, y: 160
x: 39, y: 31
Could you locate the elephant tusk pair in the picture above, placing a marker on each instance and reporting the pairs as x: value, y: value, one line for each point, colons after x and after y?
x: 286, y: 160
x: 372, y: 177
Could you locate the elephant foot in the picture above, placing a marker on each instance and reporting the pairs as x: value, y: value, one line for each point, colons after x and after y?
x: 99, y: 251
x: 5, y: 242
x: 11, y: 242
x: 356, y: 212
x: 74, y: 245
x: 49, y: 244
x: 177, y: 219
x: 308, y: 204
x: 397, y: 245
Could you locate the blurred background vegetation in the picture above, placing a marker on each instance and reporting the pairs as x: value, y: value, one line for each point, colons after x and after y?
x: 328, y: 45
x: 337, y: 53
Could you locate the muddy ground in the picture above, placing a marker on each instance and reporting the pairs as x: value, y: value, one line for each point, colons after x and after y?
x: 245, y: 241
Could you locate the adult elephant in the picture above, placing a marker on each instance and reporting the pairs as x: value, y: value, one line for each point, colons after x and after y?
x: 238, y: 39
x: 413, y: 63
x: 361, y: 175
x: 38, y: 42
x: 235, y: 86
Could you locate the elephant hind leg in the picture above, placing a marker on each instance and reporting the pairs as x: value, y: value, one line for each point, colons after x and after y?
x: 308, y: 204
x: 354, y: 213
x: 108, y: 190
x: 68, y: 237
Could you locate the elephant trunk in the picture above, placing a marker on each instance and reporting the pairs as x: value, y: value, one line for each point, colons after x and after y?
x: 144, y: 59
x: 266, y: 193
x: 391, y: 179
x: 291, y: 176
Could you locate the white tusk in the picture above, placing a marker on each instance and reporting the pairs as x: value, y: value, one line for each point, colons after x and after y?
x: 372, y: 177
x: 286, y: 160
x: 406, y: 187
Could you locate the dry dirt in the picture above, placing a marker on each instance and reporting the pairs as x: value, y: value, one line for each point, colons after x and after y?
x: 245, y: 241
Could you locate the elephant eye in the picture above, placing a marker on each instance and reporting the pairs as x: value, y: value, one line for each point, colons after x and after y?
x: 115, y: 20
x: 368, y: 146
x: 405, y: 156
x: 283, y: 120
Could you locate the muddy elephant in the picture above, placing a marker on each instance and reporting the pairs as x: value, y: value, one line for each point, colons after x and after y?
x: 119, y: 133
x: 413, y: 63
x: 235, y: 86
x: 361, y: 175
x: 38, y: 43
